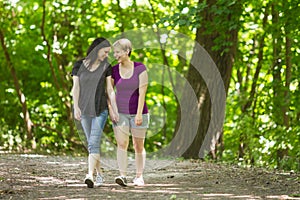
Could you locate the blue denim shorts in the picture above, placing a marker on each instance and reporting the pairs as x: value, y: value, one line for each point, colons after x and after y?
x: 128, y: 120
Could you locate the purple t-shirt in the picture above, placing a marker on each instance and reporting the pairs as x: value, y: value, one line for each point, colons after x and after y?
x: 127, y: 94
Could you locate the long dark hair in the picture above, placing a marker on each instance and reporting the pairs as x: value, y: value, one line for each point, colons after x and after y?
x: 92, y: 52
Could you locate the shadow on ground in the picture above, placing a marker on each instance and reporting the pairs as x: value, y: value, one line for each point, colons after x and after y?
x: 61, y: 177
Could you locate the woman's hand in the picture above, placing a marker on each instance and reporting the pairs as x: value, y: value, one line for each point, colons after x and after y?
x: 111, y: 102
x: 77, y: 114
x: 114, y: 116
x: 138, y: 120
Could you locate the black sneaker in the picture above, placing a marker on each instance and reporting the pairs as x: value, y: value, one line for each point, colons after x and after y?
x: 121, y: 180
x: 89, y: 181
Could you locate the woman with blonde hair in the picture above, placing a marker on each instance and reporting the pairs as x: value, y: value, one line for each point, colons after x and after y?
x: 131, y: 81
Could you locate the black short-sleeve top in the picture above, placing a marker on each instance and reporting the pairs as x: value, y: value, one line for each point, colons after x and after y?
x: 92, y: 97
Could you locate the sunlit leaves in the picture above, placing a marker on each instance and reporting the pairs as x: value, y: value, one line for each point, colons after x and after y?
x: 264, y: 124
x: 70, y: 26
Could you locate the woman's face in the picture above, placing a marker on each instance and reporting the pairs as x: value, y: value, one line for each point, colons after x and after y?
x: 120, y: 55
x: 103, y: 53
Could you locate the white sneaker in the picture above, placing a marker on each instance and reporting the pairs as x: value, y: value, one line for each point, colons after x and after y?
x: 138, y: 181
x: 89, y: 181
x: 99, y: 180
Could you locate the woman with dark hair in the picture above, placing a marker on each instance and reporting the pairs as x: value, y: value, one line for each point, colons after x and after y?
x: 91, y: 87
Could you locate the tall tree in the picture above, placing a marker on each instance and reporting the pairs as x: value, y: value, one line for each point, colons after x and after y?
x: 28, y: 125
x: 22, y: 98
x: 250, y: 101
x: 218, y: 35
x: 281, y: 85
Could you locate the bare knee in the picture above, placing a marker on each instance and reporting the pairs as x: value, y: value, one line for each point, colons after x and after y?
x: 122, y: 138
x: 138, y: 145
x: 123, y: 144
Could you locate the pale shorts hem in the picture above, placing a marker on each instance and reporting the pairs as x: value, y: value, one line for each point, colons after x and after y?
x: 128, y: 120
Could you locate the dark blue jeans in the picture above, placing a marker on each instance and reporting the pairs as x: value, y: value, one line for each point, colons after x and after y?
x: 93, y: 128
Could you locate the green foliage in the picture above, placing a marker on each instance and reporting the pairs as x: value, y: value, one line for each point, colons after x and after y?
x: 260, y: 130
x: 44, y: 40
x: 163, y: 110
x: 186, y: 16
x: 43, y: 48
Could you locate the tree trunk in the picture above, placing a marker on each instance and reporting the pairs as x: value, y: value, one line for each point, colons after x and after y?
x: 209, y: 130
x: 250, y: 101
x: 288, y: 77
x: 26, y: 116
x: 280, y: 90
x: 59, y: 85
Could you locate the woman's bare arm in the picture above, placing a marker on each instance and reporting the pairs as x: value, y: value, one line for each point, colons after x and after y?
x: 75, y: 95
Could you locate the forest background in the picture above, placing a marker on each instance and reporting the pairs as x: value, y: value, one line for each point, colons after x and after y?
x: 254, y: 45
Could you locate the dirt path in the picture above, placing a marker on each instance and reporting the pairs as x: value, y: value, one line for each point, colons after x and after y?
x: 45, y: 177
